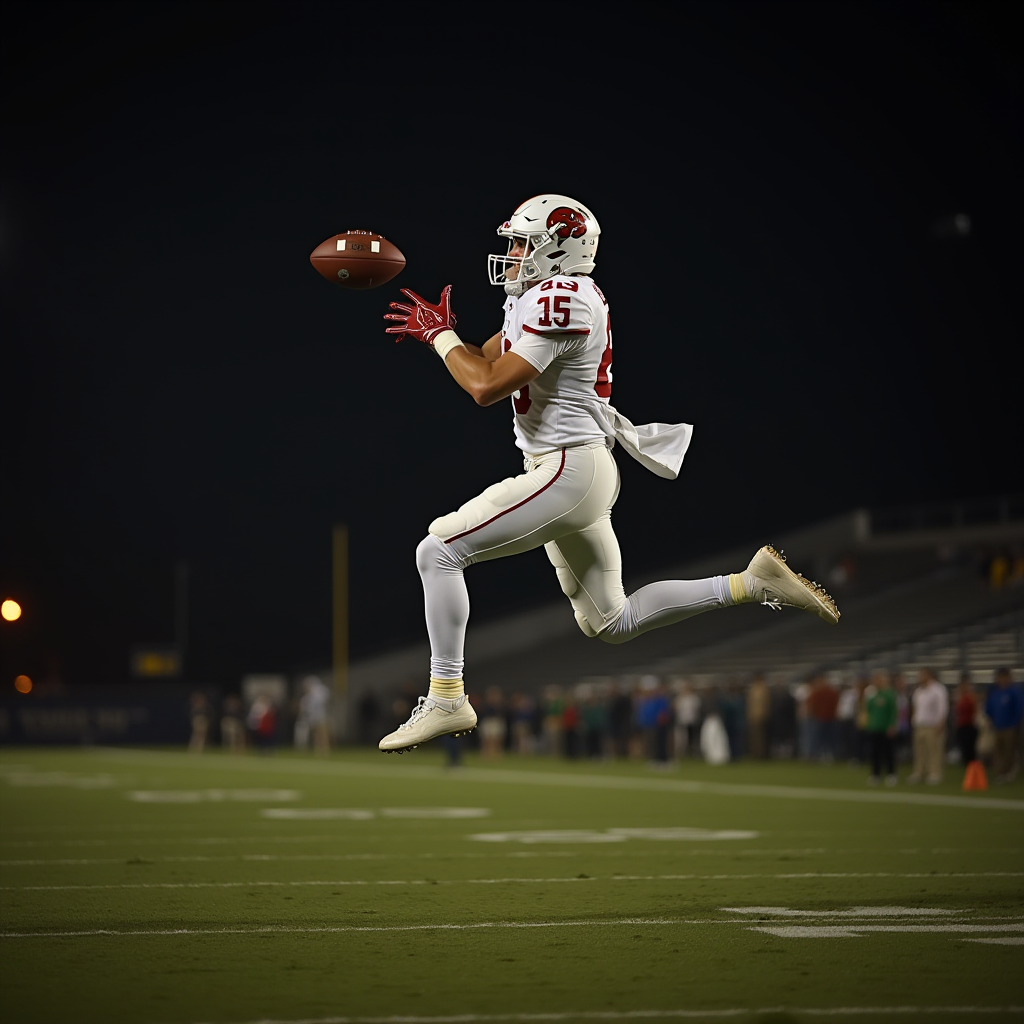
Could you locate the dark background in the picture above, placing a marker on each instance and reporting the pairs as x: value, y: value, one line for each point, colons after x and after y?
x: 775, y: 184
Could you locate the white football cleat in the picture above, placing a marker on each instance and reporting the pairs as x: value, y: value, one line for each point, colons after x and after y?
x: 774, y: 584
x: 432, y: 717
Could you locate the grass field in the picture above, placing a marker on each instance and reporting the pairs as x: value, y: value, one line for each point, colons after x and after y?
x: 158, y: 887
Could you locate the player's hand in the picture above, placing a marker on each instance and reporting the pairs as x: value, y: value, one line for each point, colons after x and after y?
x: 423, y: 320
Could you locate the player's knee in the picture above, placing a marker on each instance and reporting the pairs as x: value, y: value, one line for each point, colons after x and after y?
x: 621, y: 627
x: 612, y: 635
x: 585, y: 627
x: 433, y: 555
x: 425, y: 554
x: 608, y: 634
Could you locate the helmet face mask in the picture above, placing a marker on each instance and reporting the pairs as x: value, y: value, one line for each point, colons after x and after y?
x: 552, y: 235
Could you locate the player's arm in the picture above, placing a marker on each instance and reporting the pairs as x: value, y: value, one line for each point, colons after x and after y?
x: 488, y: 381
x: 490, y: 349
x: 484, y: 373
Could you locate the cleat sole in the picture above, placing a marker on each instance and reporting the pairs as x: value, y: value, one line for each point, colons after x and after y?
x: 413, y: 746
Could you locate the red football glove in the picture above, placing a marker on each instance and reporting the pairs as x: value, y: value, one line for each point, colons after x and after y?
x: 422, y: 321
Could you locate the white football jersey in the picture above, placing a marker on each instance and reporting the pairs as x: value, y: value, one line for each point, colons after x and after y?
x: 562, y: 327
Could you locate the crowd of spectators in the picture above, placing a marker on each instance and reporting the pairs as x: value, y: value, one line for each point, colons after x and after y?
x: 263, y: 723
x: 880, y: 721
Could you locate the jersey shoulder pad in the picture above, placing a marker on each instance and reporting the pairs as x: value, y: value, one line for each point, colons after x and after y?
x: 560, y: 305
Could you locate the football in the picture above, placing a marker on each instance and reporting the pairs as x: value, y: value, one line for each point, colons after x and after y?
x: 357, y: 259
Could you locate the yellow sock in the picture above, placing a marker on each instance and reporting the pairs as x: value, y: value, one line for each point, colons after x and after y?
x: 449, y: 689
x: 737, y: 588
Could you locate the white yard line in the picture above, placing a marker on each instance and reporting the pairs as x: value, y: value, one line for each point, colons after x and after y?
x: 133, y: 842
x: 853, y: 929
x: 860, y: 912
x: 822, y: 874
x: 520, y: 881
x: 428, y: 773
x: 342, y: 929
x: 200, y: 859
x: 785, y: 931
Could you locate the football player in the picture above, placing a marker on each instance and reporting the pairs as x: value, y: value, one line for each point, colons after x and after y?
x: 553, y: 359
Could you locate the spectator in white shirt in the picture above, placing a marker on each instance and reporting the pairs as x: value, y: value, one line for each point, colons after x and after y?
x: 687, y: 715
x: 929, y: 712
x: 313, y: 722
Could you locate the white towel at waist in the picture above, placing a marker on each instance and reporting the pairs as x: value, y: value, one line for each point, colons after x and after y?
x: 659, y: 447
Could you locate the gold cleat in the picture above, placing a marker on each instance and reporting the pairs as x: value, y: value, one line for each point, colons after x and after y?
x: 772, y: 583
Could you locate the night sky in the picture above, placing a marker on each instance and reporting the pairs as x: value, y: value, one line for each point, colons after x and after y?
x: 776, y: 186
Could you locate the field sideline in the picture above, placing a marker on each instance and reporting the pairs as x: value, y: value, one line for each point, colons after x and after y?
x: 159, y: 887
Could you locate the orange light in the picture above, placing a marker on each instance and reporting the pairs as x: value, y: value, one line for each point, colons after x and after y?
x: 23, y: 684
x: 10, y: 610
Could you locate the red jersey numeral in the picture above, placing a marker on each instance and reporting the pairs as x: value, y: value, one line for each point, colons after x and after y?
x: 521, y: 400
x: 603, y: 385
x: 555, y: 314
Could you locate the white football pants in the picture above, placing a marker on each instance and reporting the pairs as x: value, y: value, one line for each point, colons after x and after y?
x: 564, y: 502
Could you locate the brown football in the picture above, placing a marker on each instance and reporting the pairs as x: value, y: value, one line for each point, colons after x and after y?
x: 357, y: 259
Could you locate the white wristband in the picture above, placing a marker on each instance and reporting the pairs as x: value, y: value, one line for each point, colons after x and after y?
x: 445, y: 342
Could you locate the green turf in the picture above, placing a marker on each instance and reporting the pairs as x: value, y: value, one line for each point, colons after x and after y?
x: 117, y: 909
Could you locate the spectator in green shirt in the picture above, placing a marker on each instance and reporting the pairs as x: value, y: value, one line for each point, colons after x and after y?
x: 880, y: 707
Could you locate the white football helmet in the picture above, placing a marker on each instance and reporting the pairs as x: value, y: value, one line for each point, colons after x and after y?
x: 560, y: 237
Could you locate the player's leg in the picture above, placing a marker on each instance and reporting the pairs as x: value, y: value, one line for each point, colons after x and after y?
x: 445, y: 605
x: 446, y: 710
x: 588, y: 564
x: 559, y: 492
x: 589, y: 569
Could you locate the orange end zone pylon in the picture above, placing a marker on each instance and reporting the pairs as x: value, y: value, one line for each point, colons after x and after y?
x: 975, y: 777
